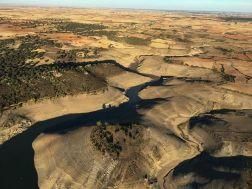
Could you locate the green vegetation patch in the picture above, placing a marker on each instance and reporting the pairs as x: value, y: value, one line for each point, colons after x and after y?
x: 103, y: 70
x: 84, y: 29
x: 76, y: 27
x: 103, y: 141
x: 171, y: 60
x: 13, y: 58
x: 115, y: 140
x: 129, y: 40
x: 23, y: 83
x: 237, y: 19
x: 136, y: 41
x: 73, y: 54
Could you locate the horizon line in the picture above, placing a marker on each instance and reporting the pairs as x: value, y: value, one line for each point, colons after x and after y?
x: 120, y: 8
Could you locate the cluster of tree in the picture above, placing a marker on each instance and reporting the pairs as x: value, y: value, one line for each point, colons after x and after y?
x: 21, y: 81
x: 72, y: 54
x: 129, y: 130
x: 226, y: 76
x: 171, y: 60
x: 5, y: 42
x: 5, y: 20
x: 86, y: 29
x: 151, y: 180
x: 136, y: 41
x: 175, y: 34
x: 78, y: 28
x: 129, y: 40
x: 50, y: 22
x: 32, y: 23
x: 14, y: 59
x: 36, y: 42
x: 15, y: 119
x: 104, y: 141
x: 236, y: 19
x: 104, y: 70
x: 109, y: 34
x: 46, y: 81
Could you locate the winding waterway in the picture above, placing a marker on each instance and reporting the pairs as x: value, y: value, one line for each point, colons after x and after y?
x: 17, y: 155
x: 17, y: 169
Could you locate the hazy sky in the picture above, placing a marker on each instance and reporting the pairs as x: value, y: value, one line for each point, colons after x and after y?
x: 212, y: 5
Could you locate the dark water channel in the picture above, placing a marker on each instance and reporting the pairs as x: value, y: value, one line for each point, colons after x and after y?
x: 17, y: 170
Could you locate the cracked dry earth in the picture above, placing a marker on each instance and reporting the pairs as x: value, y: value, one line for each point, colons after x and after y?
x: 163, y: 122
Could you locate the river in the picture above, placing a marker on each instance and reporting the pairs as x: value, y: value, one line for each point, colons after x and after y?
x: 17, y: 155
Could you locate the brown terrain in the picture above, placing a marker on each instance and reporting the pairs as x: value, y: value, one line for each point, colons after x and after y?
x: 93, y: 99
